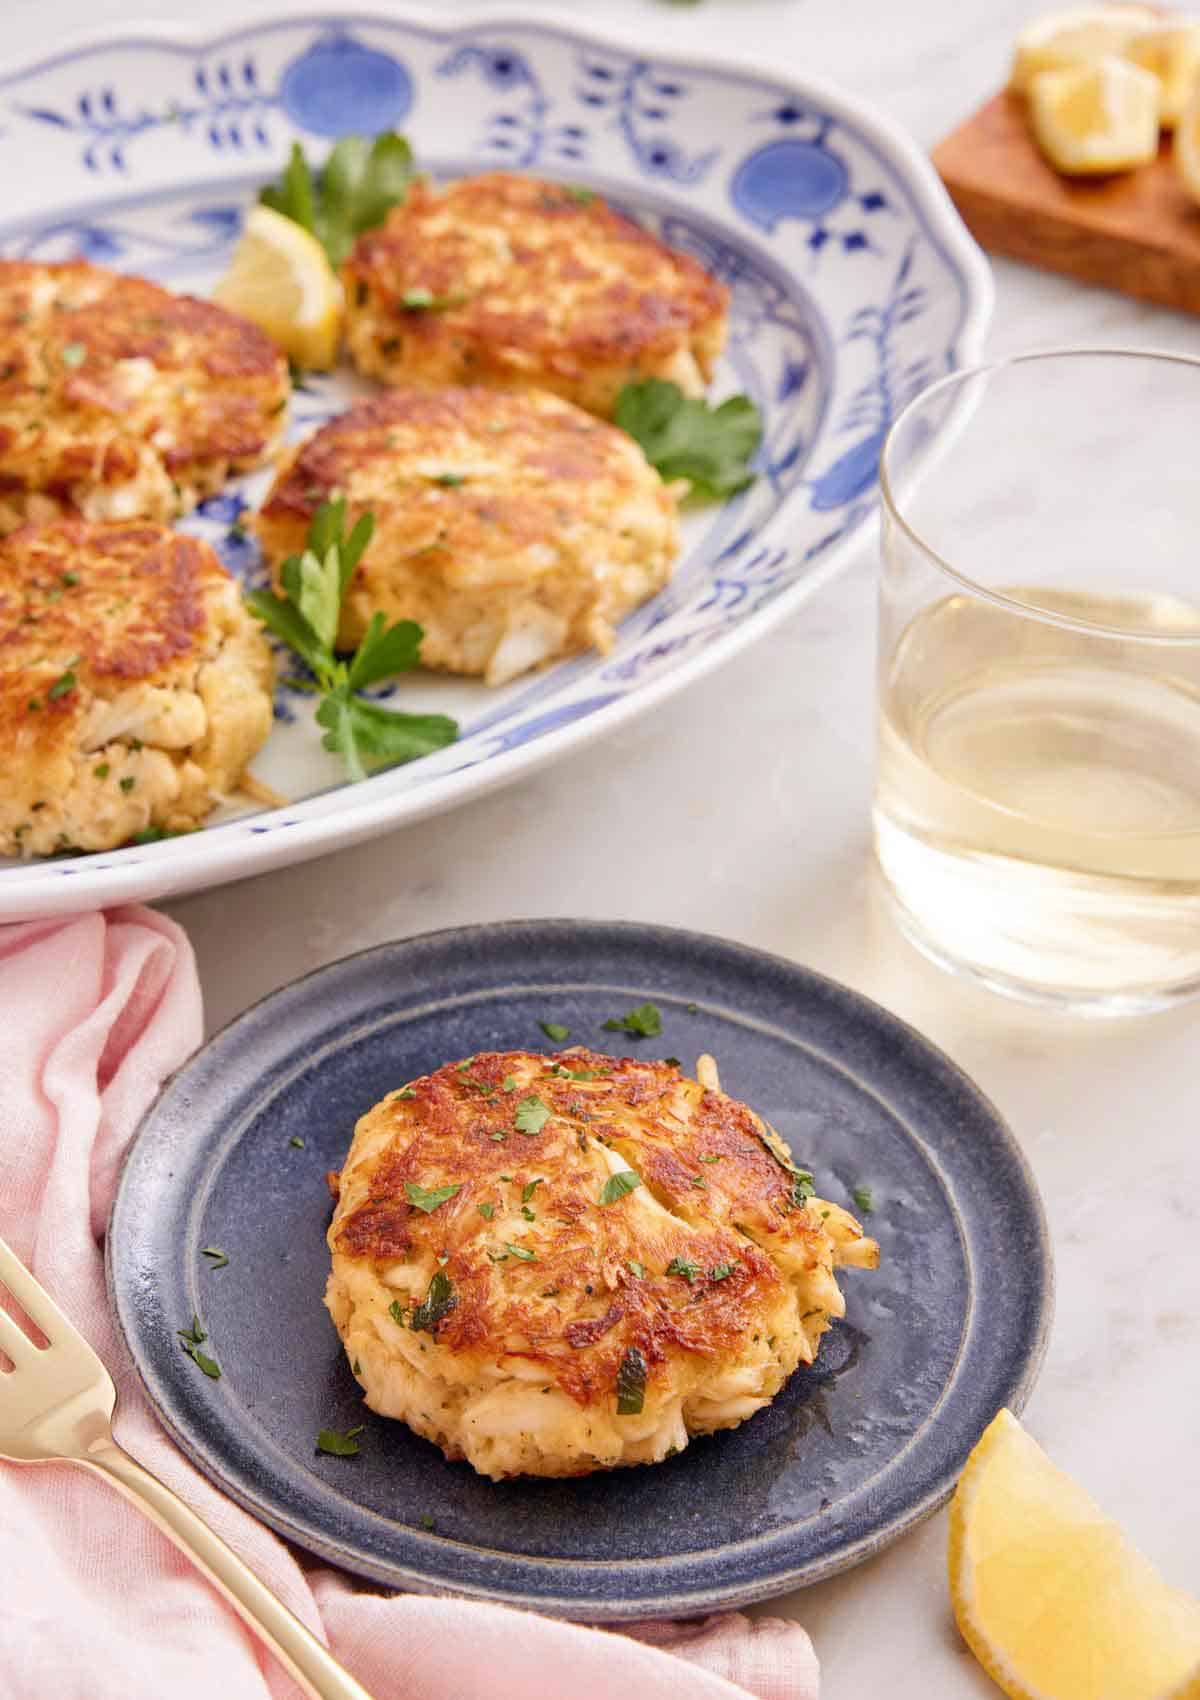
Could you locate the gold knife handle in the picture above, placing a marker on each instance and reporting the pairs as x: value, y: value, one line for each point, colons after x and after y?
x: 297, y: 1649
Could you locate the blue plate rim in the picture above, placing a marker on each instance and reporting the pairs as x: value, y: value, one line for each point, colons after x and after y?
x: 774, y: 1579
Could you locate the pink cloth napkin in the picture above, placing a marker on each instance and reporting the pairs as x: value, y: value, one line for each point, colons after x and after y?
x: 94, y: 1604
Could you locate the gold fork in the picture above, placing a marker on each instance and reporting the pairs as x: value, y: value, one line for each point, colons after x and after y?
x: 56, y: 1406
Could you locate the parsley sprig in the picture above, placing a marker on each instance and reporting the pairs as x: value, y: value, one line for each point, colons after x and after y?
x: 306, y: 617
x: 356, y: 188
x: 685, y: 437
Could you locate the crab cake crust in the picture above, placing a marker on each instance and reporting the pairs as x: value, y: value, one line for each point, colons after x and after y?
x: 134, y: 686
x: 535, y: 285
x: 513, y: 527
x: 710, y: 1279
x: 119, y: 400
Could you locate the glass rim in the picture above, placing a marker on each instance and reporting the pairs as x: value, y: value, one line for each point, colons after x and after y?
x: 987, y: 368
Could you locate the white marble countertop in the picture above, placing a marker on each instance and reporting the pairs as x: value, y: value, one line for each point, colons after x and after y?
x: 752, y: 793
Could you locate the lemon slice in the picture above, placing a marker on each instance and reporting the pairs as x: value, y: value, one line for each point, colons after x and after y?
x: 1171, y: 50
x: 1187, y: 145
x: 281, y: 279
x: 1079, y: 36
x: 1096, y: 118
x: 1050, y: 1597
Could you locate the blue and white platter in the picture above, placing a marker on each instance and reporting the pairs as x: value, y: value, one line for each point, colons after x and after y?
x: 853, y: 286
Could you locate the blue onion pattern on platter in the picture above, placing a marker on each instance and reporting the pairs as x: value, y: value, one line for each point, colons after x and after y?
x: 852, y: 284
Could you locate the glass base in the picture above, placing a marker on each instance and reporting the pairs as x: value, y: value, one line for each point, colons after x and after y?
x: 1111, y: 1004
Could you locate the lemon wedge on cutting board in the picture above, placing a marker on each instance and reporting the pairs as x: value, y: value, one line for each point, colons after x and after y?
x: 281, y: 278
x: 1053, y: 1601
x: 1187, y: 145
x: 1093, y: 119
x: 1171, y: 50
x: 1079, y: 36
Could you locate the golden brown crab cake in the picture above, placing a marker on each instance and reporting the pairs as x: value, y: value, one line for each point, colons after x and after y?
x: 119, y: 400
x: 134, y: 686
x: 515, y: 282
x: 513, y: 527
x: 549, y: 1265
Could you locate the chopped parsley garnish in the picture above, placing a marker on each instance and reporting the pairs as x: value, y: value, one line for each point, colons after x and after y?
x: 644, y: 1022
x: 356, y: 1366
x: 396, y: 1312
x: 69, y: 579
x: 425, y: 1520
x: 356, y: 188
x: 406, y: 1092
x: 101, y: 770
x: 428, y: 1198
x: 128, y: 783
x: 616, y: 1186
x: 532, y: 1114
x: 297, y: 1142
x: 693, y: 1009
x: 672, y: 1062
x: 437, y: 1304
x: 216, y: 1257
x: 191, y: 1339
x: 425, y: 301
x: 450, y: 480
x: 65, y: 682
x: 523, y: 1252
x: 555, y: 1030
x: 340, y: 1445
x: 530, y: 1187
x: 686, y: 437
x: 581, y: 196
x: 711, y: 1157
x: 487, y: 1211
x: 636, y: 1268
x: 722, y: 1271
x: 864, y: 1198
x: 685, y: 1267
x: 509, y: 1083
x: 306, y: 618
x: 631, y: 1383
x: 699, y: 1180
x: 73, y: 354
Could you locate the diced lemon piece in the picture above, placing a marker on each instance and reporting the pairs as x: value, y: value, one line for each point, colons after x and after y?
x: 281, y: 278
x: 1096, y: 118
x: 1187, y: 145
x: 1171, y: 50
x: 1076, y: 37
x: 1053, y: 1601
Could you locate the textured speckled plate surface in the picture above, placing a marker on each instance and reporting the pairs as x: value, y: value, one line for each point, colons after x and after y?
x: 854, y: 1450
x: 853, y: 284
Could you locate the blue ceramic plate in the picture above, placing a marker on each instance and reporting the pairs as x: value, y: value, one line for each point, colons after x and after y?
x: 851, y: 1453
x: 853, y: 284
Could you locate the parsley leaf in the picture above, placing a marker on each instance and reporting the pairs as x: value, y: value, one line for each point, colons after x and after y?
x: 722, y: 1271
x: 359, y: 184
x: 217, y: 1258
x: 425, y: 301
x: 339, y: 1445
x: 532, y: 1115
x: 523, y: 1252
x: 631, y: 1383
x: 616, y: 1186
x: 864, y: 1198
x: 396, y: 1312
x: 487, y: 1211
x: 437, y: 1304
x: 530, y: 1187
x: 683, y: 1266
x: 306, y: 618
x: 191, y: 1339
x: 555, y: 1030
x: 428, y: 1198
x: 636, y: 1268
x: 685, y: 437
x: 644, y: 1022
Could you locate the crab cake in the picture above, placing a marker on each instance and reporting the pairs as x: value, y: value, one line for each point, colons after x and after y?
x: 552, y: 1265
x: 513, y: 527
x: 134, y: 687
x: 119, y: 400
x: 509, y: 281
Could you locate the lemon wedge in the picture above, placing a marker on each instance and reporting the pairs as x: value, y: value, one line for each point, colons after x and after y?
x: 1171, y: 50
x: 1078, y: 36
x: 1048, y: 1594
x: 1097, y: 118
x: 281, y: 279
x: 1187, y: 145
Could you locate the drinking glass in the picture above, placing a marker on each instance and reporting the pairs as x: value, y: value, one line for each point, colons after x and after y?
x: 1037, y: 807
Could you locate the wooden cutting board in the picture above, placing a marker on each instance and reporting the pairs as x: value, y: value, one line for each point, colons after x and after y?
x: 1138, y: 232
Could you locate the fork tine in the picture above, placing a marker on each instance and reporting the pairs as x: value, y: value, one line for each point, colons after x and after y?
x: 33, y: 1298
x: 14, y: 1341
